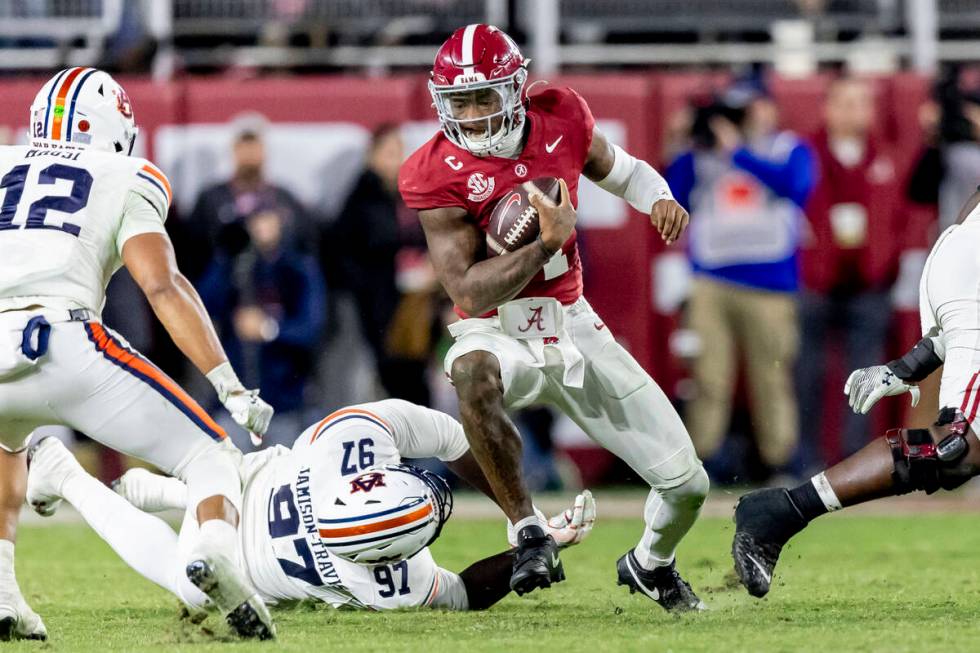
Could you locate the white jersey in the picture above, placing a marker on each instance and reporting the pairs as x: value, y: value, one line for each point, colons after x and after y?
x: 281, y: 546
x: 64, y: 218
x: 949, y: 308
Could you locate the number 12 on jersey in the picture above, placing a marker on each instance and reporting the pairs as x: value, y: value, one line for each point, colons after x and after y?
x: 13, y: 184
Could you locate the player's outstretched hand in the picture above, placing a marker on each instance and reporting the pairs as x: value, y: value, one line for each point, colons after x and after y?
x: 574, y: 524
x: 669, y: 218
x: 867, y: 385
x: 569, y: 527
x: 250, y: 412
x: 556, y: 222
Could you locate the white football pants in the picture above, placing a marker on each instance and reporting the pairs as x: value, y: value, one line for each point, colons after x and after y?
x: 91, y: 380
x: 619, y: 406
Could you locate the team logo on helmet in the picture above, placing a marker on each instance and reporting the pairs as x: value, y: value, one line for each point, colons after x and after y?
x: 123, y: 103
x: 367, y: 482
x: 481, y: 187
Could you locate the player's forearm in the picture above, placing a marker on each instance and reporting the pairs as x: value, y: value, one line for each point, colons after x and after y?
x: 180, y: 310
x: 635, y: 180
x: 496, y: 280
x: 488, y: 580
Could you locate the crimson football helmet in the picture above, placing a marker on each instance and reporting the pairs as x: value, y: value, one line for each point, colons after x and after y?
x: 480, y: 57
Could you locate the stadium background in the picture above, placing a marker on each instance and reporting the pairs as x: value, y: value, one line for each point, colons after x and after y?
x: 324, y: 73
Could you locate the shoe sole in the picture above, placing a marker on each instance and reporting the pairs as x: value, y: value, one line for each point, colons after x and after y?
x: 246, y: 619
x: 748, y: 568
x: 540, y: 578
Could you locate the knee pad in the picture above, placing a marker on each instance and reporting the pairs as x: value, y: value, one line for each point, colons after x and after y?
x: 681, y: 472
x: 691, y: 493
x: 932, y: 459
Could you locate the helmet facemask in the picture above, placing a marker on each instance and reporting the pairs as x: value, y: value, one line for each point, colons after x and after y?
x: 442, y: 495
x: 503, y: 140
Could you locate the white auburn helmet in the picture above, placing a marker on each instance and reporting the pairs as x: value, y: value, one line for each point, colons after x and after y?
x: 83, y: 107
x: 387, y: 513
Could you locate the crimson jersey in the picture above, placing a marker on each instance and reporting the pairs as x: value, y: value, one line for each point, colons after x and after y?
x: 440, y: 174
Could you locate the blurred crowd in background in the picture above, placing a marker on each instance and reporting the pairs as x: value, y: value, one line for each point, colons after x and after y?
x: 799, y: 242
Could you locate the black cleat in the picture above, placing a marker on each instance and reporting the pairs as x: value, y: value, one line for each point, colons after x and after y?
x: 243, y: 609
x: 536, y: 564
x: 663, y: 584
x: 765, y: 521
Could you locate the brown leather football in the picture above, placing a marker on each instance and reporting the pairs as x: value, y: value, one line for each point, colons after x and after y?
x: 514, y: 222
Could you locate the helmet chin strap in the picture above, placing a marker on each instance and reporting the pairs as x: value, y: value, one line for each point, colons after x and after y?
x: 509, y: 146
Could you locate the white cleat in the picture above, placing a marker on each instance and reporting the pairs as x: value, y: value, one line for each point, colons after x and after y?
x: 17, y: 620
x: 235, y: 598
x: 151, y: 492
x: 49, y: 464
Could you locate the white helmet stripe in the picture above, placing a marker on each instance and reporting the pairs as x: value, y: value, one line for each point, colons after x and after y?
x: 467, y: 53
x: 74, y: 98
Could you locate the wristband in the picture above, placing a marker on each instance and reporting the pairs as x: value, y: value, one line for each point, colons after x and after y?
x: 917, y: 364
x: 224, y: 380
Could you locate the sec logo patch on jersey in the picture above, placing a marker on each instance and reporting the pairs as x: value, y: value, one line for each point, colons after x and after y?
x: 480, y: 187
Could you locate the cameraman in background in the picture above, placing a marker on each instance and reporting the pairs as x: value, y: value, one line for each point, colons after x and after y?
x: 745, y: 183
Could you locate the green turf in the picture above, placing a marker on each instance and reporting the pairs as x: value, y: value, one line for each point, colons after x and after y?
x: 848, y: 584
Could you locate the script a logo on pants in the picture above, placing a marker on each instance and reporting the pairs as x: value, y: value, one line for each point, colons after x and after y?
x: 481, y: 187
x: 535, y: 320
x: 367, y: 482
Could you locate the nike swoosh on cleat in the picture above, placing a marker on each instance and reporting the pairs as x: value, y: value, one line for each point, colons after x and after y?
x: 554, y: 560
x: 653, y: 594
x: 760, y: 567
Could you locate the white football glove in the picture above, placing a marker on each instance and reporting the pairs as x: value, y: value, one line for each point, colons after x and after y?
x: 569, y: 527
x: 250, y: 412
x: 245, y: 406
x: 867, y: 385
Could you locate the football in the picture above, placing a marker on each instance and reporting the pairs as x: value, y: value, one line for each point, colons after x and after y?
x: 514, y: 222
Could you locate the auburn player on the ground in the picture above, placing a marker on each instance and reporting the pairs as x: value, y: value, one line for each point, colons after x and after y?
x: 942, y: 457
x: 494, y: 137
x: 75, y: 208
x: 336, y: 518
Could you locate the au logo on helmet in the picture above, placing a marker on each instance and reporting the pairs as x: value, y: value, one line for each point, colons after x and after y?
x: 367, y: 482
x: 123, y: 104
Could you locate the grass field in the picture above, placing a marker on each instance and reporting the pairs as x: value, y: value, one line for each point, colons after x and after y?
x: 849, y: 584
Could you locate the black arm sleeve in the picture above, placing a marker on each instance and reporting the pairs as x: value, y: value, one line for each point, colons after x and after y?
x: 918, y: 363
x: 488, y: 580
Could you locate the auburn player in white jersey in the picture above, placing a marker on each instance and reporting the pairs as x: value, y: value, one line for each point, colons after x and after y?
x: 337, y: 518
x: 75, y: 208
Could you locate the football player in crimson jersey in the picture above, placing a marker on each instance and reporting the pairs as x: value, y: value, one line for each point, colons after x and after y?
x: 493, y: 137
